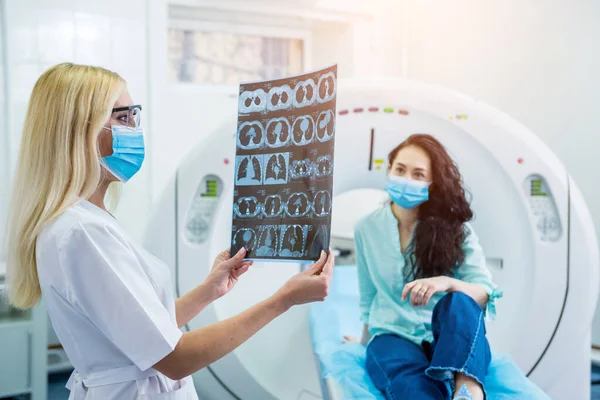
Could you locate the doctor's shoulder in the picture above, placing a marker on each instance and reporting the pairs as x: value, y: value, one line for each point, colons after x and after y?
x: 71, y: 229
x: 72, y: 218
x: 59, y: 238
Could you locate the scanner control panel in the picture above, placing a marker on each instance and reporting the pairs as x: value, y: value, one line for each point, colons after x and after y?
x: 543, y: 208
x: 202, y: 210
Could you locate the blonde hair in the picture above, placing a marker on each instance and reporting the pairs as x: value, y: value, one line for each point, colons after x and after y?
x: 58, y: 162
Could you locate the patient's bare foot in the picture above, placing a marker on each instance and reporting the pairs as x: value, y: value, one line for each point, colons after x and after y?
x: 471, y: 384
x: 350, y: 339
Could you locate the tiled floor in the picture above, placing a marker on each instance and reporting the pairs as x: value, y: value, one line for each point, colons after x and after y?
x: 57, y: 390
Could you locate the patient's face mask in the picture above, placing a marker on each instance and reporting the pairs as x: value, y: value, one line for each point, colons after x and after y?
x: 127, y: 144
x: 407, y: 193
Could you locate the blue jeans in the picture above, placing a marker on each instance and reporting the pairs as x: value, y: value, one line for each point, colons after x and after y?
x: 402, y: 370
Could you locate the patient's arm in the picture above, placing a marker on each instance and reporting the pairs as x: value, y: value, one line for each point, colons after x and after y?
x: 475, y: 291
x: 420, y: 291
x: 366, y: 336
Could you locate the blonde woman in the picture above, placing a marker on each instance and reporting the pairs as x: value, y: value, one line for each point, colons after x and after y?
x: 110, y: 301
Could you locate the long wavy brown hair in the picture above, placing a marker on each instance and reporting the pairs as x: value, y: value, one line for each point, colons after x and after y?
x: 438, y: 237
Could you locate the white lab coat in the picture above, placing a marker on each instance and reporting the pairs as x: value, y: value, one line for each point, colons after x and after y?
x: 112, y: 306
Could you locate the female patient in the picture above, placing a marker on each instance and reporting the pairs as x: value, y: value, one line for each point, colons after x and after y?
x: 424, y: 285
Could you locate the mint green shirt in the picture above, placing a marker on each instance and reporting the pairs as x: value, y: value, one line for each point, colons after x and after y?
x: 381, y: 269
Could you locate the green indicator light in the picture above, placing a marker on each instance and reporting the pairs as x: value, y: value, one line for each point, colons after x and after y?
x: 536, y: 188
x: 388, y: 110
x: 211, y: 188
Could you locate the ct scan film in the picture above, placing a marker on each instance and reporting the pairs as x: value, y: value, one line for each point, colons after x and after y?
x: 284, y: 167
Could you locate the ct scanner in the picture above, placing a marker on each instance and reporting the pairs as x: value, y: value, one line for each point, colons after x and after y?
x: 530, y: 216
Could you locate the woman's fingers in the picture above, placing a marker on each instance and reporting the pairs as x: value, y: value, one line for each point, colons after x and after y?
x: 420, y: 290
x: 241, y: 253
x: 221, y: 257
x: 243, y: 269
x: 407, y: 288
x: 317, y: 267
x: 224, y: 255
x: 427, y: 296
x: 329, y: 264
x: 421, y: 295
x: 414, y: 294
x: 239, y: 256
x: 243, y: 264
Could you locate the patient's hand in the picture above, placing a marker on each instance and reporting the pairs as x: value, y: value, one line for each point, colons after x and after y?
x: 350, y: 339
x: 421, y: 290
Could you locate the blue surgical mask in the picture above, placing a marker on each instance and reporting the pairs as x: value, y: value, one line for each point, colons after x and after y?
x: 407, y: 193
x: 128, y: 152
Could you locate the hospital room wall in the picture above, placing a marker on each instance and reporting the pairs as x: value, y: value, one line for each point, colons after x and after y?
x: 533, y: 60
x: 534, y: 63
x: 41, y: 33
x: 130, y: 37
x: 184, y: 115
x: 530, y: 61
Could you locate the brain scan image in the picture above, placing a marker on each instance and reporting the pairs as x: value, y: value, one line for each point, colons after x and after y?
x: 278, y: 132
x: 305, y: 93
x: 250, y: 135
x: 300, y: 169
x: 322, y: 203
x: 324, y: 166
x: 294, y: 241
x: 326, y: 87
x: 283, y: 168
x: 249, y: 170
x: 268, y: 241
x: 252, y: 101
x: 303, y: 130
x: 245, y: 237
x: 325, y: 126
x: 273, y: 206
x: 279, y: 98
x: 247, y: 207
x: 276, y: 171
x: 298, y: 205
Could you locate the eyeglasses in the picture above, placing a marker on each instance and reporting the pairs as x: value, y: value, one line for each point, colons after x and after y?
x: 128, y: 116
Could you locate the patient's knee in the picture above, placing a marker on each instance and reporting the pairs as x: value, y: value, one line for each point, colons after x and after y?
x: 456, y: 302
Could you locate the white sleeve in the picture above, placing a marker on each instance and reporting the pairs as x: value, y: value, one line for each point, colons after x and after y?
x: 107, y: 283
